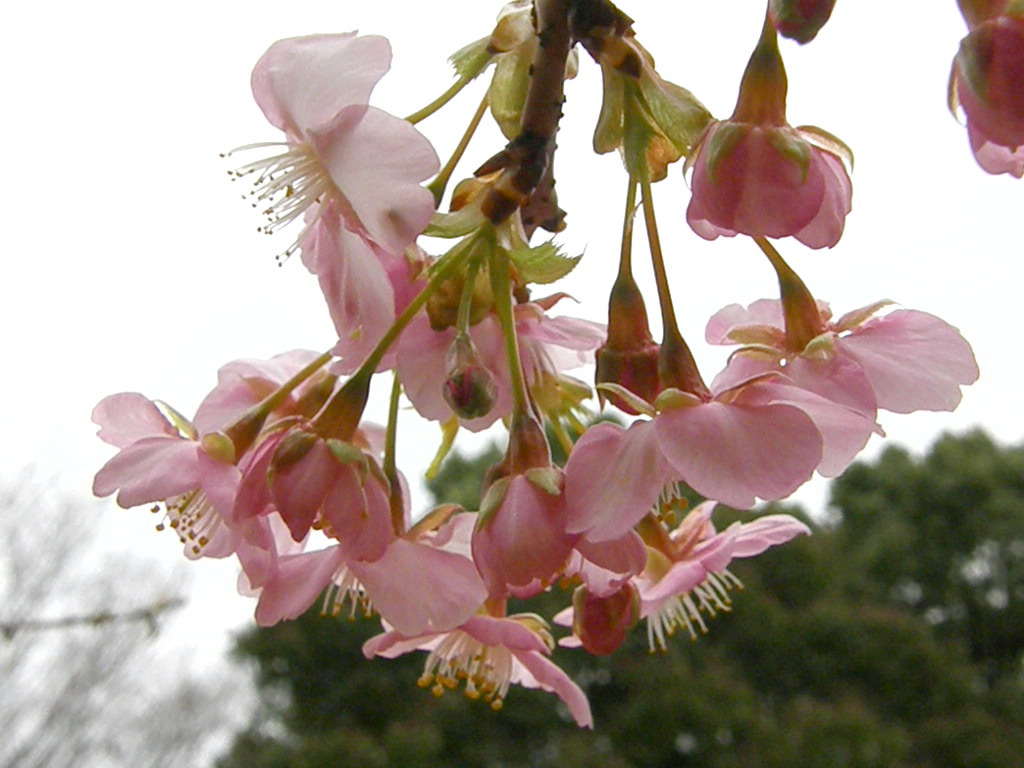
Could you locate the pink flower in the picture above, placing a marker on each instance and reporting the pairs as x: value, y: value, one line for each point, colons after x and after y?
x: 903, y: 361
x: 693, y: 578
x: 988, y: 82
x: 757, y: 439
x: 338, y: 149
x: 768, y: 181
x: 489, y: 655
x: 421, y: 581
x: 520, y: 543
x: 755, y: 174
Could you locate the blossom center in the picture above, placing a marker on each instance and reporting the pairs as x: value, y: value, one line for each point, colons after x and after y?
x: 460, y: 658
x: 193, y: 517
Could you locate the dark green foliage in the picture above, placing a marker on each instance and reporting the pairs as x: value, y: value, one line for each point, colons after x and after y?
x: 892, y: 638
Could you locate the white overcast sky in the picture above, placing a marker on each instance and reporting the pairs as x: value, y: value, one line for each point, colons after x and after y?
x: 132, y: 264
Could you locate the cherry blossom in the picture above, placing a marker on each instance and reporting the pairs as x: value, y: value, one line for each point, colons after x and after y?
x: 488, y: 655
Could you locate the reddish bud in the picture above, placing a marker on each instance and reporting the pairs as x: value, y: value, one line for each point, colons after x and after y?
x: 630, y: 356
x: 602, y: 623
x: 469, y: 389
x: 800, y: 20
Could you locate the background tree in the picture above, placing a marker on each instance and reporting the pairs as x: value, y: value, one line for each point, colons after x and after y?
x: 84, y: 678
x: 824, y: 660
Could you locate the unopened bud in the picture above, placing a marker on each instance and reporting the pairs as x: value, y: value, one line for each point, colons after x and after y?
x: 602, y: 623
x: 635, y: 369
x: 800, y: 20
x: 469, y: 389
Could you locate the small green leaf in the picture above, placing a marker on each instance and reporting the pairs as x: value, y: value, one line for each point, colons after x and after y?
x: 472, y: 59
x: 608, y: 133
x: 543, y: 264
x: 677, y: 112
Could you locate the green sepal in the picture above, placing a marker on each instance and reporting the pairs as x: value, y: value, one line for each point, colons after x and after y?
x: 548, y: 479
x: 345, y: 452
x: 791, y: 146
x: 179, y: 422
x: 456, y: 224
x: 636, y: 402
x: 675, y: 398
x: 641, y: 135
x: 851, y: 320
x: 492, y: 500
x: 543, y: 264
x: 219, y: 447
x: 829, y: 142
x: 292, y: 449
x: 720, y: 143
x: 822, y: 347
x: 470, y: 60
x: 678, y: 113
x: 608, y: 134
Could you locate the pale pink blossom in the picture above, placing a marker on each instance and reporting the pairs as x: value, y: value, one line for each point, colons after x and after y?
x: 165, y: 461
x: 488, y: 655
x: 757, y: 439
x: 339, y: 149
x: 520, y: 543
x: 767, y: 181
x: 988, y: 83
x: 694, y: 579
x: 902, y: 361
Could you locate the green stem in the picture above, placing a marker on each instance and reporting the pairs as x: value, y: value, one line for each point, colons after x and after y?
x: 668, y: 314
x: 501, y: 282
x: 466, y: 298
x: 440, y: 182
x: 340, y: 415
x: 390, y: 459
x: 246, y: 429
x: 439, y: 102
x: 799, y: 307
x: 626, y: 250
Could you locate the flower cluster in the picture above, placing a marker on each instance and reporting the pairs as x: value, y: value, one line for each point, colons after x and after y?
x: 279, y: 468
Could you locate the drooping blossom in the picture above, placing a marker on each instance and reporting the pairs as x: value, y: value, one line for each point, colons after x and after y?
x: 902, y: 361
x: 686, y: 577
x: 755, y: 174
x: 190, y: 467
x: 422, y: 581
x: 987, y: 81
x: 693, y: 578
x: 488, y: 655
x: 760, y: 438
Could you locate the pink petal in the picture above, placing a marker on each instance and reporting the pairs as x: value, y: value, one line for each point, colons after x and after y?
x: 359, y: 513
x: 680, y: 579
x: 302, y: 83
x: 735, y: 453
x: 545, y: 674
x: 768, y: 531
x: 148, y: 470
x: 763, y: 317
x: 826, y: 227
x: 416, y: 588
x: 299, y: 580
x: 913, y: 360
x: 613, y: 478
x: 378, y: 162
x: 128, y: 416
x: 299, y: 489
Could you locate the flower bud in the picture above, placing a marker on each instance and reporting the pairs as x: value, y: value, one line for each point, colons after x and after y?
x: 602, y: 623
x: 469, y: 389
x: 800, y: 20
x: 630, y: 355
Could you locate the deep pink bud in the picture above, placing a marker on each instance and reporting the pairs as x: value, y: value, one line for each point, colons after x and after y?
x: 799, y: 20
x: 988, y: 82
x: 602, y: 623
x: 469, y: 389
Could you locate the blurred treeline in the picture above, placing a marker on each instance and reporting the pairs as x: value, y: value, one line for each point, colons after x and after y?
x: 890, y: 638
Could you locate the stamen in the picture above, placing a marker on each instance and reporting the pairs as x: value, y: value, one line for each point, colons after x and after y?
x: 286, y: 185
x: 687, y: 610
x: 486, y: 671
x: 345, y: 588
x: 193, y: 518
